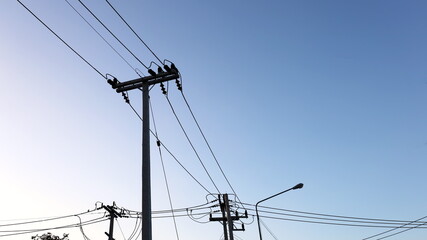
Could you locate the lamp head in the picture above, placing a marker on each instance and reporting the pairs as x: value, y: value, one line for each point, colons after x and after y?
x: 298, y: 186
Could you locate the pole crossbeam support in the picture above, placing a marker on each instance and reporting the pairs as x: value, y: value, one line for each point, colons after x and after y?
x: 140, y: 82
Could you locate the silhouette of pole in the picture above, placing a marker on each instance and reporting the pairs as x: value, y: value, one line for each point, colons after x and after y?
x: 298, y: 186
x: 144, y: 83
x: 146, y: 185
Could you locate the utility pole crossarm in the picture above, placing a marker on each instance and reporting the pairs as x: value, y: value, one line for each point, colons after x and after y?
x: 139, y: 82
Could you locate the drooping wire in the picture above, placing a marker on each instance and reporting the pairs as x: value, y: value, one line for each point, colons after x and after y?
x: 164, y: 170
x: 28, y: 231
x: 105, y: 40
x: 392, y: 221
x: 382, y: 233
x: 112, y: 34
x: 81, y: 228
x: 138, y: 224
x: 268, y: 229
x: 62, y: 40
x: 118, y: 14
x: 325, y: 223
x: 197, y: 207
x: 46, y: 219
x: 392, y: 224
x: 191, y: 144
x: 121, y: 230
x: 399, y: 232
x: 205, y: 139
x: 170, y: 153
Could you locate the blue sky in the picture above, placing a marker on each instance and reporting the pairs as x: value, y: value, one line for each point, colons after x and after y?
x: 328, y: 93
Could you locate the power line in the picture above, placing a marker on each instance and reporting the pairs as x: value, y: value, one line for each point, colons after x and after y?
x: 326, y: 223
x: 45, y: 220
x: 206, y: 141
x: 268, y: 229
x: 99, y: 34
x: 164, y: 171
x: 62, y: 40
x: 399, y: 232
x: 112, y: 34
x: 28, y: 231
x: 173, y: 156
x: 335, y: 216
x: 382, y: 233
x: 330, y: 219
x: 124, y: 238
x: 191, y: 144
x: 133, y: 31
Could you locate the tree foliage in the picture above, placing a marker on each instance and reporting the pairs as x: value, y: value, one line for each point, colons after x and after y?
x: 50, y: 236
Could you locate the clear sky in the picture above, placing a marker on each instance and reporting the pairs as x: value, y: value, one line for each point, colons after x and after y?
x: 328, y: 93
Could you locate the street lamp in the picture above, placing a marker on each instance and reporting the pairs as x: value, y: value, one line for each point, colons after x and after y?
x: 298, y: 186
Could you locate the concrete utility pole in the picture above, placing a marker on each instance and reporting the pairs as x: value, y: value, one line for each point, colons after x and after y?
x: 113, y: 214
x: 143, y: 84
x: 227, y: 219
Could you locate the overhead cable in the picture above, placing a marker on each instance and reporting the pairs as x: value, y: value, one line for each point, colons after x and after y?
x: 392, y: 221
x: 164, y: 170
x: 62, y: 40
x: 191, y: 144
x: 105, y: 40
x: 382, y: 233
x: 142, y: 41
x: 205, y: 139
x: 170, y: 153
x: 112, y: 34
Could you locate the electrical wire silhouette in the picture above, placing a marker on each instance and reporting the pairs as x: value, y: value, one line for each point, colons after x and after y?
x: 382, y: 233
x: 112, y: 34
x: 140, y: 39
x: 391, y: 224
x: 46, y: 219
x: 196, y: 207
x: 392, y: 221
x: 62, y: 40
x: 170, y: 153
x: 81, y: 229
x: 206, y: 141
x: 28, y: 231
x: 191, y: 144
x: 105, y: 40
x: 118, y: 224
x: 164, y: 170
x: 268, y: 229
x: 399, y: 232
x: 138, y: 224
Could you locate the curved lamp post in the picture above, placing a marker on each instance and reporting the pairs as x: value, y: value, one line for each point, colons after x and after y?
x: 298, y: 186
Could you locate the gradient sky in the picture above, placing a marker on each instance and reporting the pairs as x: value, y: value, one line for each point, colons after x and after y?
x: 328, y: 93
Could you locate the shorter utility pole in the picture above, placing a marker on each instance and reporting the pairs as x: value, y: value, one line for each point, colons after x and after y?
x: 227, y: 218
x: 113, y: 214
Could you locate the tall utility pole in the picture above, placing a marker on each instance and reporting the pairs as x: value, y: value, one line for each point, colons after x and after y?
x: 143, y: 84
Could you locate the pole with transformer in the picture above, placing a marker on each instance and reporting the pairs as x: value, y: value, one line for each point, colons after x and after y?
x: 143, y: 84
